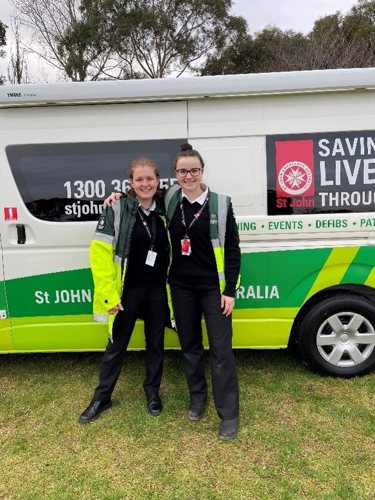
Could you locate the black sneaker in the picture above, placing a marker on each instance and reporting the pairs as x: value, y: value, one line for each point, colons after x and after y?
x: 94, y: 410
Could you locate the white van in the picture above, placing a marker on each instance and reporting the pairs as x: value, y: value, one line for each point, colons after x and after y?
x: 296, y: 151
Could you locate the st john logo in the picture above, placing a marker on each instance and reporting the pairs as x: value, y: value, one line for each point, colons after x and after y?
x: 294, y: 168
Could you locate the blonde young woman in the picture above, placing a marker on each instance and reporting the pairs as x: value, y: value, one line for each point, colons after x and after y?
x: 130, y: 282
x: 203, y: 277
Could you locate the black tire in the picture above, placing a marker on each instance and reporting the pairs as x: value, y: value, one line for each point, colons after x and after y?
x: 337, y: 336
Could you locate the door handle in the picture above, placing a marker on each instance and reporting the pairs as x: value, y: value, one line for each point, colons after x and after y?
x: 21, y: 234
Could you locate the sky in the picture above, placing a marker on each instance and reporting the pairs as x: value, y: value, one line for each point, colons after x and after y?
x: 296, y: 15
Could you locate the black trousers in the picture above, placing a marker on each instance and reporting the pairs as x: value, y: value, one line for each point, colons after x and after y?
x: 188, y: 305
x: 147, y: 301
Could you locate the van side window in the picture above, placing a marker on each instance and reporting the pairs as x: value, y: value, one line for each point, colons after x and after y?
x: 68, y: 182
x: 332, y: 172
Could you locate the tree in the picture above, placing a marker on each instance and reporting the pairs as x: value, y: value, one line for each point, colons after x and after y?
x: 97, y: 39
x: 3, y: 28
x: 336, y: 41
x: 64, y: 37
x: 125, y: 38
x: 358, y: 27
x: 270, y: 50
x: 279, y: 50
x: 157, y: 38
x: 234, y: 54
x: 325, y: 43
x: 18, y: 67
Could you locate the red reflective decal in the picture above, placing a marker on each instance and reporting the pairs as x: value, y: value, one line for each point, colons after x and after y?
x: 10, y: 213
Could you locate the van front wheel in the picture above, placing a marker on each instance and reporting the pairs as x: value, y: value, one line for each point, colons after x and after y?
x: 337, y: 336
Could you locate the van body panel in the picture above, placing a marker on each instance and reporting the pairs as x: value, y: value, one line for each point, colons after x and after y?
x: 168, y: 89
x: 48, y: 279
x: 274, y: 285
x: 281, y: 114
x: 296, y: 153
x: 5, y: 327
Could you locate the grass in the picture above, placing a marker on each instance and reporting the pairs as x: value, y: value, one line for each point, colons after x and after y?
x: 302, y: 436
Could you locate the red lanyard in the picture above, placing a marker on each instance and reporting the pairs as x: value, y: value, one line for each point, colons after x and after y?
x: 151, y: 233
x: 195, y: 216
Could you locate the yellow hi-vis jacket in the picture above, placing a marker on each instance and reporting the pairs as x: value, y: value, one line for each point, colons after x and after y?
x: 109, y: 251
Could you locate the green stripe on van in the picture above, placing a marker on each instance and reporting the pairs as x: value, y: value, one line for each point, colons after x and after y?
x: 361, y: 266
x: 281, y: 278
x: 3, y: 301
x: 334, y: 269
x: 63, y: 293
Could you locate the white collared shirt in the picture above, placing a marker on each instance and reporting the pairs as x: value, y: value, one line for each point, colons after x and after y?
x: 201, y: 198
x: 147, y: 210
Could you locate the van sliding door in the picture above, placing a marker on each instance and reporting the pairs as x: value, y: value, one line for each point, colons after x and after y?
x: 60, y: 164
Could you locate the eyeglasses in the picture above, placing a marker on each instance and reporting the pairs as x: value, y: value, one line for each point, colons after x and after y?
x: 182, y: 172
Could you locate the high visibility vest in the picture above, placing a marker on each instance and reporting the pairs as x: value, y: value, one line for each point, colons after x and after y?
x: 218, y: 205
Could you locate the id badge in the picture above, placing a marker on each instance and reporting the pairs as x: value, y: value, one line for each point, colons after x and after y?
x: 151, y: 257
x: 185, y: 246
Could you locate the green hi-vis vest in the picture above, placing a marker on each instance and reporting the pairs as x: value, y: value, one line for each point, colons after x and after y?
x: 109, y: 251
x: 218, y: 205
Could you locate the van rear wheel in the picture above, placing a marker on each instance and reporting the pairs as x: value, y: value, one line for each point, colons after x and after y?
x: 337, y: 336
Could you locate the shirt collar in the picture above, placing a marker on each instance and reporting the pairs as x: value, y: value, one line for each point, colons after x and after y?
x: 201, y: 198
x: 147, y: 210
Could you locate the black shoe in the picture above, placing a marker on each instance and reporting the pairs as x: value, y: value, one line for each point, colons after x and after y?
x: 94, y: 410
x: 154, y: 405
x: 228, y: 429
x: 196, y: 411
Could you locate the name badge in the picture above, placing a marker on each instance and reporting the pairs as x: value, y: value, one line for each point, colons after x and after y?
x: 151, y: 258
x: 185, y: 246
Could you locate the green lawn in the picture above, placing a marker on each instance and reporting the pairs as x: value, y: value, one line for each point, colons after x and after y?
x: 301, y: 436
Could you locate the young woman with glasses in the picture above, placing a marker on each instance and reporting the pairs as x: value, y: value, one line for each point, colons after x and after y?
x: 203, y: 277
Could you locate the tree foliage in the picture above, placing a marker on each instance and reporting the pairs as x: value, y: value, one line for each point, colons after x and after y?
x: 102, y: 39
x: 157, y: 38
x: 126, y: 38
x: 63, y: 37
x: 336, y: 41
x: 18, y: 65
x: 279, y: 50
x: 3, y: 29
x: 358, y: 27
x: 235, y: 54
x: 270, y: 50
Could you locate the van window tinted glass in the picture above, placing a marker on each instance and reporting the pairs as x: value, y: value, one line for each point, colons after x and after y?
x: 68, y: 182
